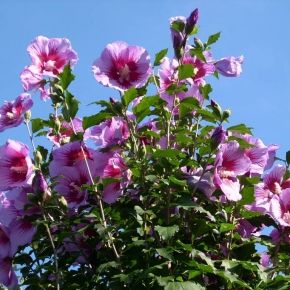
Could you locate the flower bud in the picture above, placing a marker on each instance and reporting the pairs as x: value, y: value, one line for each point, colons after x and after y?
x: 191, y: 21
x: 218, y: 136
x: 177, y: 25
x: 27, y: 115
x: 38, y: 157
x: 226, y: 114
x: 39, y: 185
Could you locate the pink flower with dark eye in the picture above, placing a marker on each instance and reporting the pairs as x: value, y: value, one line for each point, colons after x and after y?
x: 201, y: 68
x: 15, y: 165
x: 12, y: 113
x: 69, y: 184
x: 122, y: 66
x: 51, y: 55
x: 109, y: 133
x: 230, y: 162
x: 70, y: 154
x: 272, y: 186
x: 230, y: 66
x: 261, y: 156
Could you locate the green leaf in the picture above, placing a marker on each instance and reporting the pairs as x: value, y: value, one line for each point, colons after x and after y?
x: 36, y: 125
x: 205, y: 90
x: 177, y: 181
x: 95, y: 119
x: 171, y: 153
x: 167, y: 232
x: 165, y: 253
x: 178, y: 25
x: 241, y: 128
x: 159, y: 56
x: 187, y: 285
x: 185, y: 71
x: 188, y: 105
x: 213, y: 38
x: 198, y: 52
x: 130, y: 95
x: 66, y: 77
x: 247, y: 195
x: 226, y: 227
x: 71, y: 107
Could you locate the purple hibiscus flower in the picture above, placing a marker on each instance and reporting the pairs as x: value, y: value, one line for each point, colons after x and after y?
x: 230, y: 66
x: 122, y: 66
x: 12, y: 113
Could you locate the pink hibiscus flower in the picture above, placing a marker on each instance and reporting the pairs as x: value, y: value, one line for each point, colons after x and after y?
x: 109, y: 133
x: 230, y: 162
x: 122, y: 66
x: 12, y: 113
x: 15, y: 165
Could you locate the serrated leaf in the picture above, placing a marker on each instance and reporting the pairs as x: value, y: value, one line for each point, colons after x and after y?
x: 159, y: 56
x: 165, y: 253
x: 95, y: 119
x: 185, y: 71
x: 130, y: 95
x: 187, y: 285
x: 36, y: 125
x: 66, y: 77
x: 167, y: 232
x: 71, y: 108
x: 241, y: 128
x: 213, y: 38
x: 226, y: 227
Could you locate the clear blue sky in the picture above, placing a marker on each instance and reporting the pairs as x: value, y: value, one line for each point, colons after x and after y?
x: 258, y: 29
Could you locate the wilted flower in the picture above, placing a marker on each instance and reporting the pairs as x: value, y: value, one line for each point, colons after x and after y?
x: 122, y: 66
x: 12, y: 113
x: 230, y: 66
x: 15, y: 165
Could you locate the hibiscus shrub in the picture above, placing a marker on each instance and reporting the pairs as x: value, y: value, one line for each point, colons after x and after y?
x: 154, y: 191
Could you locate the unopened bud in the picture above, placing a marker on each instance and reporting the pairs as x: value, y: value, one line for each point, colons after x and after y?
x: 198, y: 42
x: 226, y: 114
x: 38, y: 157
x: 63, y: 202
x: 57, y: 125
x: 218, y: 136
x: 39, y: 185
x: 191, y: 21
x: 27, y: 115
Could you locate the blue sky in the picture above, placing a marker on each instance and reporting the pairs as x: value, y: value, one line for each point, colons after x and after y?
x: 258, y: 29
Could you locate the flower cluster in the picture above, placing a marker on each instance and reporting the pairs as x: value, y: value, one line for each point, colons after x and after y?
x: 152, y: 190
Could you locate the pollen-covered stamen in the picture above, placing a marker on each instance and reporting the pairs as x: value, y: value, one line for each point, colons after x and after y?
x: 226, y: 173
x: 19, y: 167
x: 49, y: 65
x: 124, y: 74
x: 9, y: 115
x: 276, y: 188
